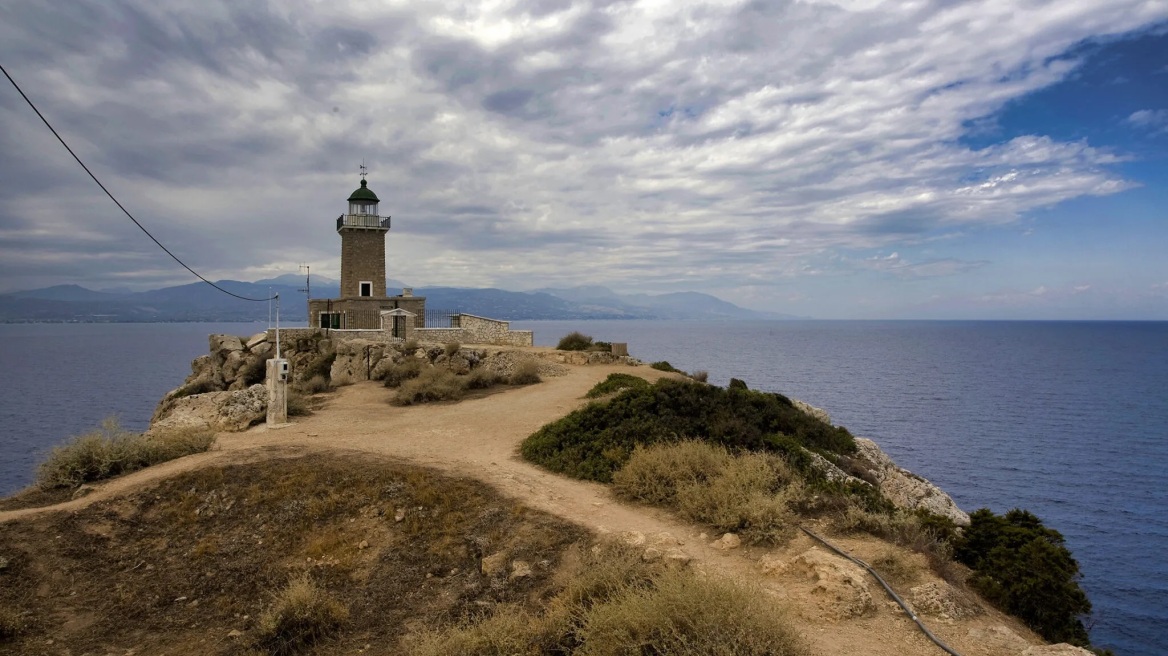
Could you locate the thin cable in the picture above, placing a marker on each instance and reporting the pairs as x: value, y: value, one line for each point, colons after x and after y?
x: 887, y: 588
x: 115, y: 200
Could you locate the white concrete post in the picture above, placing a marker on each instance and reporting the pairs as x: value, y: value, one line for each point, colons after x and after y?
x: 277, y: 383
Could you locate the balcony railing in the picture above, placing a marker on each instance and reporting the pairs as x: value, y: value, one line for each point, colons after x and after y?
x: 371, y: 221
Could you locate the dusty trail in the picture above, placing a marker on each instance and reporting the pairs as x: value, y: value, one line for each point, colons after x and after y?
x: 479, y: 437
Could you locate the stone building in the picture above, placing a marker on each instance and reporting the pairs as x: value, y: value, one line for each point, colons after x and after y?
x: 364, y: 303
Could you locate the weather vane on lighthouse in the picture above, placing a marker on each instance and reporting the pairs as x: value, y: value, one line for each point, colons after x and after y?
x: 363, y: 169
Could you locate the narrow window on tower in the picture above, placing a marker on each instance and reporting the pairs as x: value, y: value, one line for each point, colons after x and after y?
x: 366, y: 288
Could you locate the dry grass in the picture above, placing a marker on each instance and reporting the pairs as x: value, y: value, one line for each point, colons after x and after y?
x: 700, y: 376
x: 684, y: 615
x: 433, y: 384
x: 300, y: 615
x: 482, y: 378
x: 398, y: 373
x: 314, y: 385
x: 297, y: 403
x: 749, y: 493
x: 111, y: 451
x: 905, y: 529
x: 654, y: 475
x: 11, y: 623
x: 611, y: 602
x: 225, y: 536
x: 525, y: 373
x: 896, y: 568
x: 450, y: 348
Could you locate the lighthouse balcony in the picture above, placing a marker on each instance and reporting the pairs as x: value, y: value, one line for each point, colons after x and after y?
x: 367, y: 221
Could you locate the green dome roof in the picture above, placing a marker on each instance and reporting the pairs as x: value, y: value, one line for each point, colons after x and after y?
x: 364, y: 193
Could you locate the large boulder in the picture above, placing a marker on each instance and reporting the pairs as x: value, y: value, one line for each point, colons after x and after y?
x: 839, y: 586
x: 220, y: 411
x: 904, y: 488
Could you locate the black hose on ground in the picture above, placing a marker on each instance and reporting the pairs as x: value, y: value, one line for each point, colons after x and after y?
x: 895, y: 597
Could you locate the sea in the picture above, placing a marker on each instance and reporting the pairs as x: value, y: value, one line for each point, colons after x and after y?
x: 1066, y: 419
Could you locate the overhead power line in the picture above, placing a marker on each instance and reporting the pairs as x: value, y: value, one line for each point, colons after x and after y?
x: 115, y: 200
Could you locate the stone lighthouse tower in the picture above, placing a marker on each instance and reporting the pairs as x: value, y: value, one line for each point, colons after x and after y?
x: 364, y: 303
x: 362, y: 245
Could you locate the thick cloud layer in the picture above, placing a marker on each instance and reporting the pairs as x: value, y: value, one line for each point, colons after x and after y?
x: 724, y: 145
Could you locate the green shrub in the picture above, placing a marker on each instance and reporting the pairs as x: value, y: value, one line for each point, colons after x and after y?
x: 575, y: 341
x: 525, y: 373
x: 616, y: 383
x: 594, y: 441
x: 398, y: 373
x: 112, y: 451
x: 433, y: 384
x: 300, y: 615
x: 605, y: 347
x: 1024, y: 568
x: 737, y: 383
x: 663, y: 365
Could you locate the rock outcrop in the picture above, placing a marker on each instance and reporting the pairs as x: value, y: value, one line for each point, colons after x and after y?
x: 939, y: 599
x: 906, y: 489
x: 839, y: 587
x: 233, y: 410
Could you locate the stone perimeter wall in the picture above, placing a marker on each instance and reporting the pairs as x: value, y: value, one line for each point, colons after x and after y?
x: 472, y: 330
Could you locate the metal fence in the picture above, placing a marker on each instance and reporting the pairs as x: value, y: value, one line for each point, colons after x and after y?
x: 442, y: 318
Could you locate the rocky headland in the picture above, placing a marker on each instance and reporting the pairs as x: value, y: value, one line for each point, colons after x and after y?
x: 417, y: 517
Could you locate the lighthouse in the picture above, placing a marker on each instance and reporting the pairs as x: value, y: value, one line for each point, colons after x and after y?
x: 364, y: 303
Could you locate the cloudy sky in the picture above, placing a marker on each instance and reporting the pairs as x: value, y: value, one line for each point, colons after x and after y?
x: 831, y: 158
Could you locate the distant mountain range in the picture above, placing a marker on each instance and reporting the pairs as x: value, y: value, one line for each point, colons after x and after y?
x: 201, y: 302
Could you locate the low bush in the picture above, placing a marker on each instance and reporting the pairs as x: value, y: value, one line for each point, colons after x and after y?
x: 482, y: 378
x: 254, y: 370
x: 741, y: 493
x: 321, y: 365
x: 1023, y: 567
x: 700, y: 376
x: 408, y: 347
x: 605, y: 347
x: 613, y: 603
x: 684, y: 615
x: 525, y: 373
x: 433, y: 384
x: 663, y: 365
x: 575, y: 341
x: 398, y: 373
x: 616, y: 383
x: 111, y: 451
x: 200, y: 386
x: 297, y: 403
x: 451, y: 348
x: 314, y: 385
x: 596, y: 440
x: 300, y: 615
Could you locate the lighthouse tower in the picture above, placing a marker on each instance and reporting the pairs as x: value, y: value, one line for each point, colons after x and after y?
x: 364, y: 303
x: 362, y: 234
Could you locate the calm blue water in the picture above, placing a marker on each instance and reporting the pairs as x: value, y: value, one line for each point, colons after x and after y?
x: 1068, y: 420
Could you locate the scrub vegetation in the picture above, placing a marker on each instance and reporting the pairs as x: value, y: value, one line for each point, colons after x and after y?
x: 751, y: 463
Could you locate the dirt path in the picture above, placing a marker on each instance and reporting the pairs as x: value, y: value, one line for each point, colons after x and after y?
x: 479, y: 437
